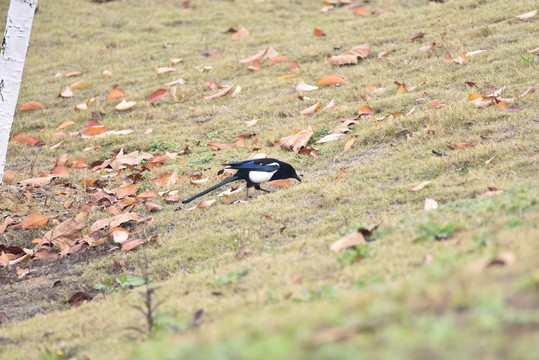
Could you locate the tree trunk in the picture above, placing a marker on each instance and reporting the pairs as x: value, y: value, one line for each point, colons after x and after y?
x: 12, y: 55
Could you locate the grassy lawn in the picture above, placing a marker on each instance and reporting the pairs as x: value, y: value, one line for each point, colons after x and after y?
x: 457, y: 282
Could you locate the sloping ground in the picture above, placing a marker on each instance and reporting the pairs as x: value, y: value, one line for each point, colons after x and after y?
x: 469, y: 290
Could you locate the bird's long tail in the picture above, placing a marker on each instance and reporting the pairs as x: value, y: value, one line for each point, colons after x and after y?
x: 230, y: 179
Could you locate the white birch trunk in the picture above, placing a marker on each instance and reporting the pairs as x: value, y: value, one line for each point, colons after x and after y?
x: 12, y: 55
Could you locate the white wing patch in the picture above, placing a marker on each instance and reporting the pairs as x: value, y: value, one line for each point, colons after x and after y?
x: 259, y: 177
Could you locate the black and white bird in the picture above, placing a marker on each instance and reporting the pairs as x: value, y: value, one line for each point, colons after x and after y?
x: 255, y: 172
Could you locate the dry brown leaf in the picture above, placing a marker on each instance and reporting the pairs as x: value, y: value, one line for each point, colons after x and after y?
x: 164, y: 70
x: 420, y: 187
x: 381, y: 54
x: 310, y: 110
x: 461, y: 59
x: 355, y: 238
x: 116, y: 94
x: 79, y: 85
x: 125, y: 105
x: 32, y: 105
x: 365, y: 110
x: 130, y: 244
x: 304, y: 87
x: 361, y: 11
x: 65, y: 124
x: 114, y: 221
x: 430, y: 204
x: 331, y: 137
x: 40, y: 181
x: 119, y: 234
x: 257, y: 65
x: 267, y: 53
x: 31, y: 140
x: 278, y: 59
x: 66, y: 93
x: 349, y: 144
x: 8, y: 176
x: 526, y: 15
x: 296, y: 140
x: 128, y: 190
x: 219, y: 94
x: 419, y: 35
x: 350, y: 56
x: 6, y: 223
x: 66, y: 233
x: 317, y: 32
x: 328, y: 80
x: 176, y: 61
x: 157, y: 95
x: 426, y: 48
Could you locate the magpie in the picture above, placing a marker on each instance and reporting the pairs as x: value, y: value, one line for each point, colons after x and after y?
x: 254, y: 172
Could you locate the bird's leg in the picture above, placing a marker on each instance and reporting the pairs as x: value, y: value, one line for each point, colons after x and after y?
x: 257, y: 187
x: 247, y: 194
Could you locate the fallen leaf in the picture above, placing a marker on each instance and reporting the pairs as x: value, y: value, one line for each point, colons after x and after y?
x: 461, y: 59
x: 65, y: 124
x: 66, y: 233
x: 79, y: 164
x: 31, y: 140
x: 176, y: 82
x: 164, y: 70
x: 296, y: 140
x: 127, y: 190
x: 353, y: 239
x: 381, y: 54
x: 157, y: 95
x: 419, y: 35
x: 114, y: 221
x: 40, y: 181
x: 78, y: 298
x: 350, y: 56
x: 73, y: 73
x: 304, y: 87
x: 66, y: 92
x: 267, y: 53
x: 6, y: 223
x: 125, y: 105
x: 427, y: 47
x: 257, y: 65
x: 8, y: 176
x: 288, y: 76
x: 116, y: 94
x: 420, y: 187
x: 293, y: 65
x: 132, y: 243
x: 330, y: 137
x: 361, y: 11
x: 46, y: 255
x: 32, y: 105
x: 328, y: 80
x: 106, y: 73
x: 317, y: 32
x: 79, y: 85
x: 219, y: 94
x: 365, y: 110
x: 119, y: 234
x: 277, y: 59
x: 430, y: 204
x: 204, y: 204
x: 526, y: 15
x: 310, y: 110
x: 93, y: 128
x: 349, y: 144
x: 60, y: 171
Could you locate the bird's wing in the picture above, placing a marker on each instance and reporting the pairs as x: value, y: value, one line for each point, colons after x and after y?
x: 254, y: 165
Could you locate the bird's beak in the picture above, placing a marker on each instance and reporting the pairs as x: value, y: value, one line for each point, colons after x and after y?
x: 298, y: 178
